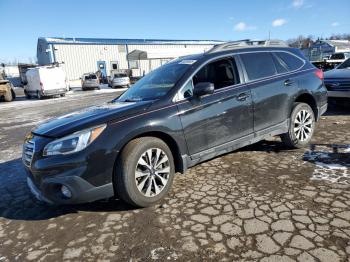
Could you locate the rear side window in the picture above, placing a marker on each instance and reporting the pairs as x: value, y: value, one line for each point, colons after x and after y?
x: 258, y: 65
x: 281, y: 66
x: 291, y: 61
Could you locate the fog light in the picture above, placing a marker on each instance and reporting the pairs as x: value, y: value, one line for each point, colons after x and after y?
x: 66, y: 192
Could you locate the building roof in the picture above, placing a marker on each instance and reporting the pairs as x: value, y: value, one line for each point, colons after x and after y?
x: 341, y: 44
x: 110, y: 41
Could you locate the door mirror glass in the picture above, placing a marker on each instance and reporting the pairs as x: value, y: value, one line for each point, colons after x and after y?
x: 203, y: 88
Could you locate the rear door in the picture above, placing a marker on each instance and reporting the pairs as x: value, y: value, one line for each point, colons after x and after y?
x: 213, y: 120
x: 271, y: 90
x: 52, y: 78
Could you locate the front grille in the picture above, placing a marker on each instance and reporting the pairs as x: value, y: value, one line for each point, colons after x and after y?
x: 28, y: 152
x: 338, y: 86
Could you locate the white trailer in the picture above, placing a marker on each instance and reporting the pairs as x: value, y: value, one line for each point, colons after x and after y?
x: 45, y: 81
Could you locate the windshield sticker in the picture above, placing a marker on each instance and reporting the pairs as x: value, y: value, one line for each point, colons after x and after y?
x: 187, y: 62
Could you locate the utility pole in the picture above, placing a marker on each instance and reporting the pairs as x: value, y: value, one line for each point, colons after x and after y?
x: 269, y: 35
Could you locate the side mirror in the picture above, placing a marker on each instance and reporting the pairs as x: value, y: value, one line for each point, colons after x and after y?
x: 203, y: 88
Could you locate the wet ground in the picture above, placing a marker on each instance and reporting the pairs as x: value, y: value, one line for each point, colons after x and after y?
x: 263, y: 202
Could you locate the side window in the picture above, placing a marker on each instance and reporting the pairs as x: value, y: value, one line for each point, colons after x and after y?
x: 281, y: 66
x: 291, y: 61
x: 258, y: 65
x: 186, y: 91
x: 221, y: 73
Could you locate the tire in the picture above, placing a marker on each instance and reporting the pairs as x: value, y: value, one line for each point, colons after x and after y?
x: 13, y: 94
x: 300, y: 137
x: 63, y: 95
x: 132, y: 160
x: 8, y: 96
x: 27, y: 95
x: 38, y: 95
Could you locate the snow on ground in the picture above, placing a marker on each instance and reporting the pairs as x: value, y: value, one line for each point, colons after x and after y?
x: 329, y: 165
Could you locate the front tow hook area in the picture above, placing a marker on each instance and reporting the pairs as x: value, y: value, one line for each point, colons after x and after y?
x: 36, y: 192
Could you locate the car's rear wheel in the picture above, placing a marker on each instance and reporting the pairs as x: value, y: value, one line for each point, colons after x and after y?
x: 301, y: 127
x: 38, y: 95
x: 145, y: 171
x: 27, y: 94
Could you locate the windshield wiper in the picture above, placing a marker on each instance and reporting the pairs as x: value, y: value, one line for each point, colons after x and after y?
x: 133, y: 99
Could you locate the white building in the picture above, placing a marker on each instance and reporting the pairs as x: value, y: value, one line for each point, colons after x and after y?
x: 83, y: 55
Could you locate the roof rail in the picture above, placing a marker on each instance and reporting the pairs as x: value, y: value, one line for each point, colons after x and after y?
x: 246, y: 43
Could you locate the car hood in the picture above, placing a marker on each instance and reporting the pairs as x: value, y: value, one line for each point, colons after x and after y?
x: 92, y: 116
x: 337, y: 73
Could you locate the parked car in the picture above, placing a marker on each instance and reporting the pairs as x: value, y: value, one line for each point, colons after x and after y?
x: 45, y: 81
x: 337, y: 82
x: 120, y: 80
x: 187, y: 111
x: 90, y: 81
x: 6, y: 90
x: 337, y: 58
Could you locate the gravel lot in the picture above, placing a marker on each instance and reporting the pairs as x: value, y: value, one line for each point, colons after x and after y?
x: 262, y: 202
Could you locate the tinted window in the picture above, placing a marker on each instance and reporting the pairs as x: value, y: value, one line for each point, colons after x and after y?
x: 258, y: 65
x: 338, y: 56
x: 221, y: 73
x: 281, y: 67
x: 291, y: 61
x: 345, y: 64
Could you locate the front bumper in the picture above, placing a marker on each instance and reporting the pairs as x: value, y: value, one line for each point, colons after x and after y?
x: 322, y: 110
x: 49, y: 190
x: 345, y: 94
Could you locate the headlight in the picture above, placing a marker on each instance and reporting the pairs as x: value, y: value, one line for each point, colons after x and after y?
x: 74, y: 142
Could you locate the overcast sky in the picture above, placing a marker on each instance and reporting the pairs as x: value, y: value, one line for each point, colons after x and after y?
x: 25, y: 20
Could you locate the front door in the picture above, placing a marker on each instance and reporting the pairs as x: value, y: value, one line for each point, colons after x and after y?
x: 101, y: 65
x: 213, y: 120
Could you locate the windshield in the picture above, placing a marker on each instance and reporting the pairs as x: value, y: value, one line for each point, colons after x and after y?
x: 156, y: 83
x: 345, y: 65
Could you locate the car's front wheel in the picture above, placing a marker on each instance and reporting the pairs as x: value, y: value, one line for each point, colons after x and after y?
x: 301, y: 127
x: 145, y: 171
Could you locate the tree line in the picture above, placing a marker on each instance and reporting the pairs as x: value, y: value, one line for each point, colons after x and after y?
x: 306, y: 41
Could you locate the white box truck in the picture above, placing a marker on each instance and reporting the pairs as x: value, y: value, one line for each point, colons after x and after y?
x: 45, y: 81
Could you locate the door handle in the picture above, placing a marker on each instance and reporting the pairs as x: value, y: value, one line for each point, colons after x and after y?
x: 288, y: 82
x: 242, y: 96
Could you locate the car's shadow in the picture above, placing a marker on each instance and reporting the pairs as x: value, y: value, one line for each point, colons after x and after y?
x: 18, y: 203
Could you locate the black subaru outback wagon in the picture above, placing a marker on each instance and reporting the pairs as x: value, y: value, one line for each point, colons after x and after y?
x: 192, y: 109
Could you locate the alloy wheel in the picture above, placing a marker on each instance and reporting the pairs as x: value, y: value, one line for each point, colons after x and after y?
x: 303, y: 125
x: 152, y: 172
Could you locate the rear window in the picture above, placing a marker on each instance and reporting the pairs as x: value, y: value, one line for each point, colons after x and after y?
x: 89, y: 77
x: 291, y: 61
x: 258, y: 65
x: 120, y: 75
x: 338, y: 56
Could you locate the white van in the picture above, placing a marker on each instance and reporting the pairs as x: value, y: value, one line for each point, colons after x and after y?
x: 45, y: 81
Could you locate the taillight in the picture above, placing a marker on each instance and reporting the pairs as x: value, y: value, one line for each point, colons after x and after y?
x: 319, y: 74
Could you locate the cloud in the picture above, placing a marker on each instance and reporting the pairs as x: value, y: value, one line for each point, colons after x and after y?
x: 297, y: 3
x: 241, y: 26
x: 334, y: 24
x: 278, y: 22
